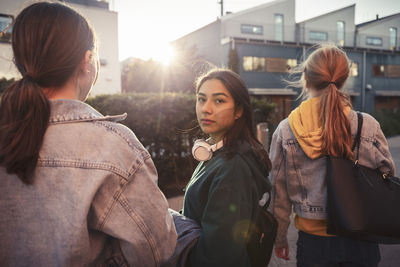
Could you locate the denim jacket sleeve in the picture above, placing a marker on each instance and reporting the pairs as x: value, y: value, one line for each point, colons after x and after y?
x: 280, y: 205
x: 383, y: 158
x: 374, y: 149
x: 135, y: 212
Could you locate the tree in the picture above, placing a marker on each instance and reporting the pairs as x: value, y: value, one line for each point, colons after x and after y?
x: 151, y: 76
x: 4, y: 83
x: 233, y: 60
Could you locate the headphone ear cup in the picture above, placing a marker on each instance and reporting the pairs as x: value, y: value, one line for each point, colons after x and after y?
x: 201, y: 150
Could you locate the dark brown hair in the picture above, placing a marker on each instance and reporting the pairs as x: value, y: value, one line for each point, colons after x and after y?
x: 242, y: 129
x: 326, y: 70
x: 49, y: 41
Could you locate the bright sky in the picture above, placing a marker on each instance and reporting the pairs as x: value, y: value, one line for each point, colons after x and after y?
x: 147, y: 26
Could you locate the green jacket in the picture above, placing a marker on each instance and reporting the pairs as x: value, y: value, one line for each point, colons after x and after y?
x: 222, y: 196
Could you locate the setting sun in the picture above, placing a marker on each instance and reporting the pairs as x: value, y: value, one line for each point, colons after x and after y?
x: 163, y: 54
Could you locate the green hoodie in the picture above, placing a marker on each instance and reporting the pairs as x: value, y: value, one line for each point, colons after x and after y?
x: 222, y: 196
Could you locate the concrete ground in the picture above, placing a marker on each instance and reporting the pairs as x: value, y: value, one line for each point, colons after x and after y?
x: 390, y: 254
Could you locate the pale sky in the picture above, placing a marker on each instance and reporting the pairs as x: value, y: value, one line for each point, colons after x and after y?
x: 147, y: 26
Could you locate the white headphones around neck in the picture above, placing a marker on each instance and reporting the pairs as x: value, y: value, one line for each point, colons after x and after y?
x: 203, y: 151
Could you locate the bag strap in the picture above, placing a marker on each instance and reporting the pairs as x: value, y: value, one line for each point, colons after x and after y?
x: 357, y: 138
x: 268, y: 201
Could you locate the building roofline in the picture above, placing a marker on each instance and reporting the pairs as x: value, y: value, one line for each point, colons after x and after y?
x: 249, y: 10
x: 311, y: 45
x: 387, y: 92
x: 376, y: 20
x: 272, y: 91
x: 199, y: 29
x: 328, y: 13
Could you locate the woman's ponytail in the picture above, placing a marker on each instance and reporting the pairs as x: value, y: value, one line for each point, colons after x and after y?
x: 336, y: 133
x: 39, y: 37
x: 24, y: 117
x: 326, y: 70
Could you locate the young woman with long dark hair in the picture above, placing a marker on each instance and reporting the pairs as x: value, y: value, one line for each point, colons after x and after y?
x: 225, y: 189
x: 76, y: 188
x: 324, y: 124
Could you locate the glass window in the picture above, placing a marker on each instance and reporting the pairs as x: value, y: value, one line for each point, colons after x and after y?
x: 247, y: 63
x: 278, y: 24
x: 318, y: 36
x: 5, y: 27
x: 268, y: 64
x: 279, y: 64
x: 258, y: 63
x: 353, y: 69
x: 377, y: 41
x: 389, y: 71
x: 252, y: 29
x: 340, y: 33
x: 291, y: 63
x: 393, y: 37
x: 253, y: 63
x: 378, y: 70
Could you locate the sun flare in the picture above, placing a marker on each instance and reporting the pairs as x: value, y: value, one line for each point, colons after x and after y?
x: 163, y: 54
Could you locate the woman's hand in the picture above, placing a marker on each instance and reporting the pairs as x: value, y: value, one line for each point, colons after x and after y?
x: 282, y: 252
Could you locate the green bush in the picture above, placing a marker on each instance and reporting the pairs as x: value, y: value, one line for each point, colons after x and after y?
x: 389, y: 121
x: 4, y: 83
x: 162, y: 122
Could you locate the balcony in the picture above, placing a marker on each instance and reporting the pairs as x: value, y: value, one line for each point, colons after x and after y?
x: 95, y: 3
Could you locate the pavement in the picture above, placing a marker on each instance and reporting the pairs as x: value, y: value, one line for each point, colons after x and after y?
x: 390, y: 254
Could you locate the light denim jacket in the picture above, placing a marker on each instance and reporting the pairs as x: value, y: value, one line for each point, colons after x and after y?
x: 299, y: 182
x: 94, y: 198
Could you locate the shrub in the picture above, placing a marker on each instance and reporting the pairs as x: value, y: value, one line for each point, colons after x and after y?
x: 389, y: 121
x: 4, y: 83
x: 162, y: 122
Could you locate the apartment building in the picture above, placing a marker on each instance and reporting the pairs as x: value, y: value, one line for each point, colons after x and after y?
x: 105, y: 22
x: 268, y: 42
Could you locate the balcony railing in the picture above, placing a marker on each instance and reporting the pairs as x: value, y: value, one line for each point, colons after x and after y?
x: 95, y: 3
x: 266, y: 33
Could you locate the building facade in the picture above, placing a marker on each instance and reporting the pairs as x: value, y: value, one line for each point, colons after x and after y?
x: 268, y: 42
x: 105, y: 23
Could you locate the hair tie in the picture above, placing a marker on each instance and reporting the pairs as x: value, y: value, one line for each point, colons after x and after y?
x: 332, y: 83
x: 28, y: 77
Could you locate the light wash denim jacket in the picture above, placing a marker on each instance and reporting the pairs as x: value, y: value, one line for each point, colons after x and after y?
x: 94, y: 198
x: 299, y: 182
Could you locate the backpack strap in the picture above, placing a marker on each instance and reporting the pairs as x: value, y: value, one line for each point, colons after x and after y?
x: 357, y: 138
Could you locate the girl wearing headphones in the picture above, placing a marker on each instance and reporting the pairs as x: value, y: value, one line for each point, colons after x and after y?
x: 232, y: 176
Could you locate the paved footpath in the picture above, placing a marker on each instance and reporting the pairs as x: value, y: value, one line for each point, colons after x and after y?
x: 390, y: 254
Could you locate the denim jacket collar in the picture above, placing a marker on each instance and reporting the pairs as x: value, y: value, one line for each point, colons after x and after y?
x: 69, y: 110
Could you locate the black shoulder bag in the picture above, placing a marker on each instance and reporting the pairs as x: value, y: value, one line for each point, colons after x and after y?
x: 262, y: 237
x: 363, y: 203
x: 262, y: 233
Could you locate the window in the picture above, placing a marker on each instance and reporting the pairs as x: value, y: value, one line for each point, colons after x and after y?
x: 340, y: 33
x: 376, y: 41
x: 252, y: 29
x: 378, y: 70
x: 393, y: 38
x: 318, y: 36
x: 353, y: 69
x: 247, y: 63
x: 278, y: 24
x: 291, y: 63
x: 258, y: 64
x: 268, y: 64
x: 253, y: 63
x: 5, y: 27
x: 389, y: 71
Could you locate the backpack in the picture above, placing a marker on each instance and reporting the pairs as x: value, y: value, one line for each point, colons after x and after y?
x: 262, y: 236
